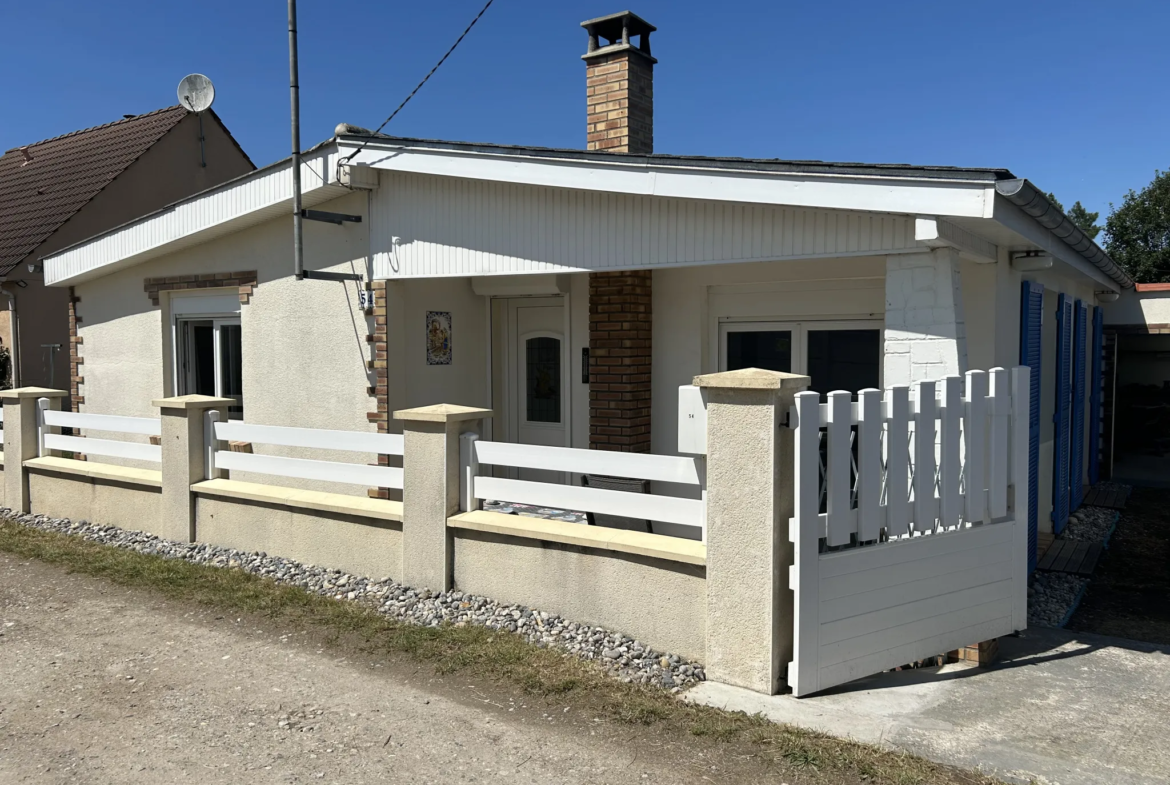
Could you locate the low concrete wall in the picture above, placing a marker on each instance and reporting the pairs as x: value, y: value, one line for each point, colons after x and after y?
x: 660, y: 602
x: 355, y: 543
x: 62, y: 492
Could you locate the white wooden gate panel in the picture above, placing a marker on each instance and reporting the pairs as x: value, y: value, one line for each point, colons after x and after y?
x: 917, y: 551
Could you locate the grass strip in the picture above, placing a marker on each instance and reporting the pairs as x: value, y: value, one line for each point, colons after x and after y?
x: 481, y: 652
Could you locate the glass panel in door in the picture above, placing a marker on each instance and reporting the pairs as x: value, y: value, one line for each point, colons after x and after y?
x: 542, y: 356
x: 767, y: 349
x: 844, y: 359
x: 231, y: 368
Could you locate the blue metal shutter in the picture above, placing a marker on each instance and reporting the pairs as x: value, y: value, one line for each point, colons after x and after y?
x: 1061, y: 414
x: 1031, y: 319
x: 1095, y: 390
x: 1076, y: 475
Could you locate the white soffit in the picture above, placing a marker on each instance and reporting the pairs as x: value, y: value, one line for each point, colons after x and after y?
x: 246, y: 201
x: 881, y: 194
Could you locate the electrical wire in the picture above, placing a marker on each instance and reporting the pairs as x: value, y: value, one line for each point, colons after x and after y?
x: 418, y: 87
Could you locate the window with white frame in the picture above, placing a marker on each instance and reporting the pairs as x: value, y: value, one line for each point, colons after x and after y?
x: 841, y: 355
x: 208, y: 348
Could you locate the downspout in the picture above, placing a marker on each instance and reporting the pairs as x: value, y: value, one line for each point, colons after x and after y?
x: 295, y: 97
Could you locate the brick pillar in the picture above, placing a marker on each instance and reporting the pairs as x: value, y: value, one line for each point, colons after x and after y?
x: 619, y: 85
x: 619, y: 360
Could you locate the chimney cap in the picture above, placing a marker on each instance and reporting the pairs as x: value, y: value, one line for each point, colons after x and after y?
x: 618, y: 29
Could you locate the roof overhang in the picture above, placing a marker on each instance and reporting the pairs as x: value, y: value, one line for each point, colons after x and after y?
x: 851, y: 189
x: 968, y: 208
x: 246, y: 201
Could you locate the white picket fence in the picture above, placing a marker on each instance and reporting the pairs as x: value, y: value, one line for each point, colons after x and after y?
x: 906, y: 545
x: 303, y: 468
x: 476, y: 487
x: 47, y: 440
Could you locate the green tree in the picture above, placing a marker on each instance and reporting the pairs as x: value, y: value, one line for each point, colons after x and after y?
x: 1139, y: 232
x: 1085, y: 220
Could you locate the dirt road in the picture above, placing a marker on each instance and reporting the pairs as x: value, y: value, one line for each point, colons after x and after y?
x: 100, y: 684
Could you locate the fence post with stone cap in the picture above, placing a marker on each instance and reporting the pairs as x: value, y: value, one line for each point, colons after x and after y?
x: 184, y: 459
x: 749, y: 501
x: 430, y: 489
x: 22, y: 439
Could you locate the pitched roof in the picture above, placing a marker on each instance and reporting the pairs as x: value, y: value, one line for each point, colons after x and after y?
x: 65, y: 173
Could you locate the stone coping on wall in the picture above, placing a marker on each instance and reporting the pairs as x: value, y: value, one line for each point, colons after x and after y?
x: 151, y: 478
x: 362, y: 506
x: 656, y: 546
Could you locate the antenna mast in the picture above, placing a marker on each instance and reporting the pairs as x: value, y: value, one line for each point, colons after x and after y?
x: 295, y: 96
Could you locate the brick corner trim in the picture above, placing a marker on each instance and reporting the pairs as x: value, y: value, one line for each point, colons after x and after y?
x: 75, y: 358
x: 379, y: 388
x: 244, y: 280
x: 620, y: 327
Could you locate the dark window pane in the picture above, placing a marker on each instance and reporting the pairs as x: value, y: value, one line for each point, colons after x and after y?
x: 844, y: 359
x: 231, y: 368
x: 203, y: 363
x: 543, y: 371
x: 770, y: 350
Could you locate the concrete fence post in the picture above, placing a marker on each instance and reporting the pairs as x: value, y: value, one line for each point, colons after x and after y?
x: 430, y: 493
x: 183, y: 459
x: 21, y: 439
x: 749, y: 501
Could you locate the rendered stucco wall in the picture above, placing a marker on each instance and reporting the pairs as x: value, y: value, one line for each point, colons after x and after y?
x: 126, y: 505
x: 361, y: 546
x: 304, y: 342
x: 662, y: 604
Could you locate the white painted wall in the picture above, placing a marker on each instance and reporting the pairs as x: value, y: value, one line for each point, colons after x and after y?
x: 689, y: 303
x: 1134, y: 307
x: 304, y: 343
x: 926, y: 333
x: 450, y: 226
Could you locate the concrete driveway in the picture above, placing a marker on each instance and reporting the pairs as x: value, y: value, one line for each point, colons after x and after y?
x: 1059, y: 707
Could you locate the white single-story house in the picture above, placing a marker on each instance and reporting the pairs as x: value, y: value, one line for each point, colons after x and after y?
x: 573, y: 291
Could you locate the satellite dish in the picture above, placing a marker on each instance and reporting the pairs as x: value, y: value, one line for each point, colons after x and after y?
x: 196, y: 92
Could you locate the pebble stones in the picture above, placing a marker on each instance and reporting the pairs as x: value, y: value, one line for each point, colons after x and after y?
x: 1052, y: 596
x: 1090, y: 524
x: 622, y: 656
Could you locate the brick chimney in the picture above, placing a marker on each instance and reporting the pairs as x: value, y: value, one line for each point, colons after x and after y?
x: 620, y: 119
x: 619, y: 84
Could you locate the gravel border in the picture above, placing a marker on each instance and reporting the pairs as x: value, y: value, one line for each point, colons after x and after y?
x: 1052, y: 598
x: 1091, y: 524
x: 621, y: 656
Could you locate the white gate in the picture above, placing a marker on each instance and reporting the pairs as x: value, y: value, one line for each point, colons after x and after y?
x: 907, y: 538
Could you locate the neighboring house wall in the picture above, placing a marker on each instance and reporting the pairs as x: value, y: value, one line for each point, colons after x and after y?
x: 168, y: 171
x: 304, y: 350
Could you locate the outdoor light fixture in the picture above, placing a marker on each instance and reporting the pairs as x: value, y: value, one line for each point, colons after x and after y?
x: 1106, y: 297
x: 1030, y: 261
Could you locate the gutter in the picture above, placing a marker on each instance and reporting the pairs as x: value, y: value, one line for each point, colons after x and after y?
x: 1035, y: 203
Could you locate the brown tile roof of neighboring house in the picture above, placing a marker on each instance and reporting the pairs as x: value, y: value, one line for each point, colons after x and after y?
x: 37, y: 196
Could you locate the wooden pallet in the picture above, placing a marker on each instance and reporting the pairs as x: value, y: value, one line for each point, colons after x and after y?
x: 1112, y: 498
x: 1078, y: 558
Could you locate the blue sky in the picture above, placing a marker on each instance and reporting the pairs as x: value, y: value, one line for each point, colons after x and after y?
x: 1072, y: 95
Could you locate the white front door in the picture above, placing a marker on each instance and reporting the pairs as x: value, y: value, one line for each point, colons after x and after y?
x: 534, y: 368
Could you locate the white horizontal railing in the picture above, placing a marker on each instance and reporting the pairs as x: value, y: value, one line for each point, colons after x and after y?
x: 475, y: 487
x: 142, y: 426
x: 304, y: 468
